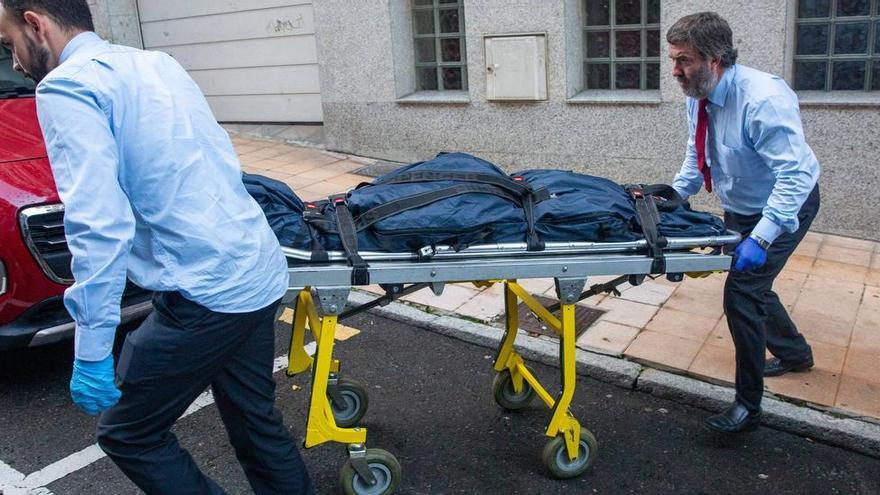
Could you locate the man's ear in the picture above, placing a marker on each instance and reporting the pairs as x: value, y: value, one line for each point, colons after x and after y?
x: 36, y: 22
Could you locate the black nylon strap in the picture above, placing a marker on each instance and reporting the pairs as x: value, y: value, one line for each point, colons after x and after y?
x: 649, y: 217
x: 319, y: 254
x: 313, y: 216
x: 533, y: 240
x: 656, y: 242
x: 430, y: 176
x: 373, y: 215
x: 670, y: 196
x: 360, y: 274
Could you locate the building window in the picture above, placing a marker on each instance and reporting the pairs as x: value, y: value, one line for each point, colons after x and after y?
x: 438, y: 29
x: 622, y: 44
x: 838, y: 45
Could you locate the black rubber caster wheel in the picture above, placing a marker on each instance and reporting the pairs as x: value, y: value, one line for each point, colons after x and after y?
x: 506, y: 396
x: 556, y: 458
x: 353, y: 404
x: 384, y: 468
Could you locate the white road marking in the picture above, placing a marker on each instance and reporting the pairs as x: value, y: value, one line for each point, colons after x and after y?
x: 13, y: 482
x: 62, y: 468
x: 8, y: 475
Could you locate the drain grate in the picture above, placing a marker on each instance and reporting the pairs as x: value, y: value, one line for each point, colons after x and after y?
x: 584, y: 317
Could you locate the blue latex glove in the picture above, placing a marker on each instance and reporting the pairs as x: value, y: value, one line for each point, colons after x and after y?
x: 749, y: 255
x: 92, y: 385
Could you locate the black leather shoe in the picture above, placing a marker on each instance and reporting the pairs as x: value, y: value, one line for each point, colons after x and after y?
x: 735, y: 419
x: 778, y: 367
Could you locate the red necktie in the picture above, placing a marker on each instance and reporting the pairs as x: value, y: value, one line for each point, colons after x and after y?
x: 702, y: 130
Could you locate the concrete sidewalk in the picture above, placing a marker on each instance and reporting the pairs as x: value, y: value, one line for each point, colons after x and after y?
x: 831, y: 287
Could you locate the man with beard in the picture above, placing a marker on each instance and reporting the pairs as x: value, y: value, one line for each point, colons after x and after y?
x: 152, y: 189
x: 746, y: 143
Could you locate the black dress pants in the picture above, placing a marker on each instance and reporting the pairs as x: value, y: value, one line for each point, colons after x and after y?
x: 756, y: 317
x: 179, y: 350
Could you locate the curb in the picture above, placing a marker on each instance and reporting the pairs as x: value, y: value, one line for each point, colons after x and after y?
x: 860, y: 436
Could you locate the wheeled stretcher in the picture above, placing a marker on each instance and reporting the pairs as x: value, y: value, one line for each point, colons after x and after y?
x: 337, y: 405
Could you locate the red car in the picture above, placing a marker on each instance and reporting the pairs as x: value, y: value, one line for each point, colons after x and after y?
x: 34, y: 259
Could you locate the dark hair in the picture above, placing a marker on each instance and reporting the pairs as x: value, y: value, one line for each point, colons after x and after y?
x: 68, y: 14
x: 708, y: 32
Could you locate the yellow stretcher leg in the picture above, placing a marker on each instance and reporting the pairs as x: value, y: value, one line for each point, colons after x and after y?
x: 537, y: 308
x: 321, y: 426
x: 298, y: 360
x: 507, y: 357
x: 562, y: 422
x: 506, y: 349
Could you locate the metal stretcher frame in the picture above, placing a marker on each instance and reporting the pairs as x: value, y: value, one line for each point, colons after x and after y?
x: 521, y: 249
x: 323, y: 290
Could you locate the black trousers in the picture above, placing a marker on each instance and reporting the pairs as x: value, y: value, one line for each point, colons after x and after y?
x: 756, y: 317
x: 179, y: 350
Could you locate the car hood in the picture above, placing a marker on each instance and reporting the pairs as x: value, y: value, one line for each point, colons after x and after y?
x: 20, y: 136
x: 27, y: 182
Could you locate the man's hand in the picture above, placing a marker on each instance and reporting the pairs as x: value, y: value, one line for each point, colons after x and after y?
x: 92, y: 387
x: 749, y: 255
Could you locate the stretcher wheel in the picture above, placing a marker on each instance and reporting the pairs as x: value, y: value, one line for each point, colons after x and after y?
x: 385, y: 469
x: 556, y: 456
x: 506, y: 396
x: 354, y: 403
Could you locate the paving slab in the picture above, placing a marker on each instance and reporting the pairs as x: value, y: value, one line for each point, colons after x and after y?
x: 663, y: 351
x: 715, y: 364
x: 606, y: 337
x: 669, y: 321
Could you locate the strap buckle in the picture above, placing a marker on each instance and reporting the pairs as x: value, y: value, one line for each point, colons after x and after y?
x: 311, y: 211
x: 360, y: 275
x: 427, y: 252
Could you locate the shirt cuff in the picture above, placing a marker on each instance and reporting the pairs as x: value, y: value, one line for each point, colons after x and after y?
x: 93, y: 344
x: 767, y: 230
x: 683, y: 195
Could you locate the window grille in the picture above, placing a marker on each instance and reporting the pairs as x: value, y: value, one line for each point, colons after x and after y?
x: 622, y: 44
x: 837, y: 45
x: 438, y: 30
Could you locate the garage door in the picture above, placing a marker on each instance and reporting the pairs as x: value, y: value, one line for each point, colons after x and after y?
x: 255, y: 60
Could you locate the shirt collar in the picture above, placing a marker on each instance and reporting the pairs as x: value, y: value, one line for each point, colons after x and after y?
x: 719, y: 94
x: 77, y: 42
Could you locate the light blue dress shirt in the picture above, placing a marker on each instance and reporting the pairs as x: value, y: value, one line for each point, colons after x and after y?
x: 152, y: 189
x: 755, y: 147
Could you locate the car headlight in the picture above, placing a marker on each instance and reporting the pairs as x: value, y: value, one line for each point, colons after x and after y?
x: 2, y: 278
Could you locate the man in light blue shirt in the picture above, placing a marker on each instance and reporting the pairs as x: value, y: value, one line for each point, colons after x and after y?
x: 746, y: 143
x: 152, y: 191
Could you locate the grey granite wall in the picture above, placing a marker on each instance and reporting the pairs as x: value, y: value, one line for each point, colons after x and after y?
x: 117, y: 21
x: 363, y: 79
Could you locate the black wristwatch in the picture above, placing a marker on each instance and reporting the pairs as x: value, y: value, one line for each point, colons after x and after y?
x: 765, y: 244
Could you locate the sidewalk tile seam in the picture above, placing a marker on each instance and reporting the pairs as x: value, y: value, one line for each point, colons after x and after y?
x: 845, y: 358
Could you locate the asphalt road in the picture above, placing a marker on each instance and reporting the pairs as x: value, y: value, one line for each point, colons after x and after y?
x: 431, y: 406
